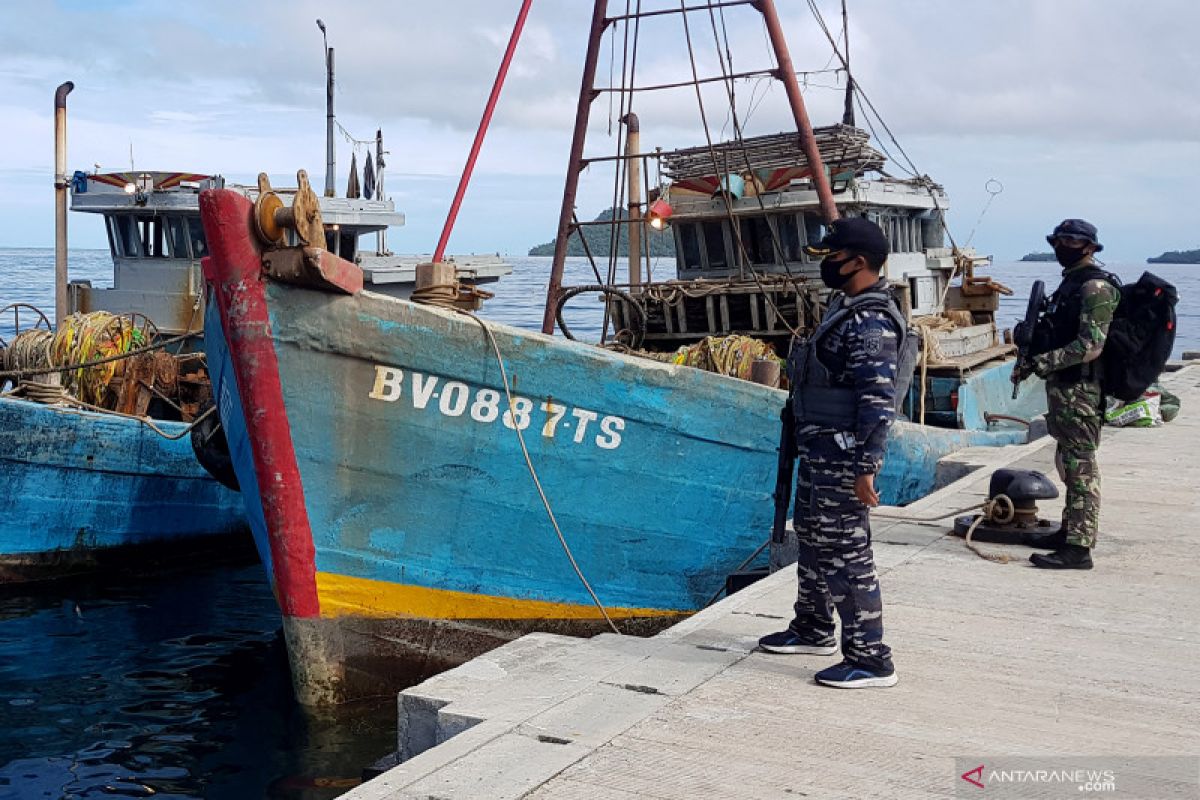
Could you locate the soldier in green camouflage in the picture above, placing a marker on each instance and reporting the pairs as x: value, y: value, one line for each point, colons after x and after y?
x: 1068, y: 341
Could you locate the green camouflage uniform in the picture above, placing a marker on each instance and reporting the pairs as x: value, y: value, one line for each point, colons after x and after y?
x: 1076, y: 409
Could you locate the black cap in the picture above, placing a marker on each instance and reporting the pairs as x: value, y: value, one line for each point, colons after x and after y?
x: 851, y: 233
x: 1079, y: 229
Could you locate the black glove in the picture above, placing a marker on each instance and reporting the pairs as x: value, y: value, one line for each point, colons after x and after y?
x: 1022, y: 335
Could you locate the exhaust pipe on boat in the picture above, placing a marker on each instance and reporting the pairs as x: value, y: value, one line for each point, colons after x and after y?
x: 60, y: 200
x: 633, y: 167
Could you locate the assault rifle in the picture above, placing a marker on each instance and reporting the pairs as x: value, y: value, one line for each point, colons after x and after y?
x: 786, y: 467
x: 1023, y: 331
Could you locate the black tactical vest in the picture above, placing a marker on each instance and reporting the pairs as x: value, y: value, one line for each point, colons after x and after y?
x: 1059, y: 325
x: 815, y: 398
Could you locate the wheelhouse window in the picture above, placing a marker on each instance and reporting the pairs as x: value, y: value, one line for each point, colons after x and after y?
x: 714, y: 245
x: 125, y: 237
x: 814, y: 231
x: 757, y: 239
x: 791, y: 238
x: 150, y: 231
x: 196, y: 238
x: 689, y: 245
x: 177, y: 237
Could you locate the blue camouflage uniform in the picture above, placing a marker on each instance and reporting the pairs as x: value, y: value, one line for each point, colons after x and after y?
x: 835, y: 564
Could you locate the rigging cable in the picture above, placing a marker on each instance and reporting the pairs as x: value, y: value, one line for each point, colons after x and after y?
x: 735, y: 228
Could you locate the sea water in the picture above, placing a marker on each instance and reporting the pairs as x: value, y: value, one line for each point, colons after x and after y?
x: 178, y: 684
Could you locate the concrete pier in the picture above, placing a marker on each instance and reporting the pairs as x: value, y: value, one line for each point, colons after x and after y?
x: 996, y: 661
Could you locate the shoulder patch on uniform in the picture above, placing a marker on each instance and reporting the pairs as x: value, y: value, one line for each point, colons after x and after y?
x: 873, y: 341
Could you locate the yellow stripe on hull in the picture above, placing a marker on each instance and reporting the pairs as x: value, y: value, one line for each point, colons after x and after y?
x: 341, y: 595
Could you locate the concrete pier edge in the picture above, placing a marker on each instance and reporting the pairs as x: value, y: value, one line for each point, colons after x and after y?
x: 995, y: 660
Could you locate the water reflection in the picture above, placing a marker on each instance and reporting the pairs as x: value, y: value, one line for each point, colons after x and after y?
x: 175, y: 687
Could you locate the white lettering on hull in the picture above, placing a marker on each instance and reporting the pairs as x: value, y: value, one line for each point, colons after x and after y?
x: 454, y: 398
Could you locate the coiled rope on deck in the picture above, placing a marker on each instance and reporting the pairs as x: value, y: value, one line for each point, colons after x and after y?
x: 29, y: 348
x: 44, y: 370
x: 87, y: 337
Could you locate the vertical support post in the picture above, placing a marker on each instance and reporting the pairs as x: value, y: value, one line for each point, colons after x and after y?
x: 381, y: 236
x: 587, y: 94
x: 787, y: 74
x: 60, y: 201
x: 632, y: 150
x: 330, y: 166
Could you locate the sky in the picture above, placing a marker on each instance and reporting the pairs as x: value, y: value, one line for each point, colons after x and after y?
x: 1077, y: 108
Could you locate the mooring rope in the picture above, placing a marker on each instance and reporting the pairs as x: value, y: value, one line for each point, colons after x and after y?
x: 533, y: 472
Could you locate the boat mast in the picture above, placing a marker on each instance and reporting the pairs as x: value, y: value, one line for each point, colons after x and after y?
x: 787, y: 74
x: 381, y: 236
x: 784, y: 72
x: 60, y: 201
x: 587, y: 94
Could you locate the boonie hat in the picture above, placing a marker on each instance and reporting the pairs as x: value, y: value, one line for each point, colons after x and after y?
x: 1078, y: 229
x: 851, y: 233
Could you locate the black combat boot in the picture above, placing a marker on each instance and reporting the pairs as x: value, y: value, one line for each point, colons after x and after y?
x: 1051, y: 540
x: 1069, y: 556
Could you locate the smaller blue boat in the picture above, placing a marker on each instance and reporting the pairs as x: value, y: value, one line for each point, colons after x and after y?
x: 81, y: 490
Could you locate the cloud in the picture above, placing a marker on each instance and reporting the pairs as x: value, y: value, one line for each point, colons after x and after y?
x: 1071, y: 96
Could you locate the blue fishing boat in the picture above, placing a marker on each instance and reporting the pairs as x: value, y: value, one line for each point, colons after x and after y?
x: 82, y: 491
x: 395, y: 510
x: 424, y: 485
x: 99, y: 468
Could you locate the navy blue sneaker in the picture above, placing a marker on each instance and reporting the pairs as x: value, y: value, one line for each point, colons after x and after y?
x: 791, y: 643
x: 851, y: 676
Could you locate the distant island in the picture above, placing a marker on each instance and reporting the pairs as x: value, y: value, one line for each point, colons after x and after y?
x: 1176, y: 257
x: 1037, y: 257
x: 599, y: 239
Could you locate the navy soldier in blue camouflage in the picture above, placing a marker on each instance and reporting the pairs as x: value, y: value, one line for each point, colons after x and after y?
x: 844, y: 396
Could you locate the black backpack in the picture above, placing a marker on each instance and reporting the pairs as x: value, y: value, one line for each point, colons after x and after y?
x: 1140, y: 337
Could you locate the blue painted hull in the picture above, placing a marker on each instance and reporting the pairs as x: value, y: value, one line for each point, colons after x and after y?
x: 423, y: 518
x: 78, y: 487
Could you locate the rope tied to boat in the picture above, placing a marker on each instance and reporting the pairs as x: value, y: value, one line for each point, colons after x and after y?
x: 533, y: 472
x: 997, y: 509
x: 453, y: 295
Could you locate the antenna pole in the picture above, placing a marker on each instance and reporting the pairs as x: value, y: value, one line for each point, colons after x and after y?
x: 848, y: 110
x: 587, y: 94
x: 787, y: 74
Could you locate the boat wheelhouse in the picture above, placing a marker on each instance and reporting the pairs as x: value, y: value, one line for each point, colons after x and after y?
x: 152, y: 220
x: 741, y: 266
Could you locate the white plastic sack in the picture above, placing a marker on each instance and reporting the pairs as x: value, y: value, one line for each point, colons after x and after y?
x: 1145, y: 412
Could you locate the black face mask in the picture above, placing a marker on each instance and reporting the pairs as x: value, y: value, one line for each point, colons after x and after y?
x: 830, y: 274
x: 1068, y: 256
